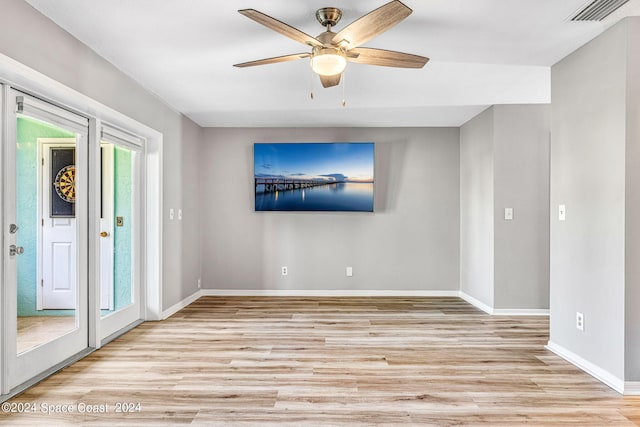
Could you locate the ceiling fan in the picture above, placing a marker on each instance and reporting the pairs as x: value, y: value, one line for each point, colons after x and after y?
x: 331, y: 51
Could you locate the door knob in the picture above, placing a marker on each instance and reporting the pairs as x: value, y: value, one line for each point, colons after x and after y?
x: 103, y: 234
x: 15, y: 250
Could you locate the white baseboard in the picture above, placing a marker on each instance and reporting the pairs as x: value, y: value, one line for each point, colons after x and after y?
x: 595, y: 371
x: 502, y: 311
x: 475, y: 302
x: 325, y: 293
x: 632, y: 388
x: 180, y: 305
x: 520, y: 312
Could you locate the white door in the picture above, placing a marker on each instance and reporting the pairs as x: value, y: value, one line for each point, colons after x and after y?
x: 122, y: 211
x: 61, y: 333
x: 57, y: 207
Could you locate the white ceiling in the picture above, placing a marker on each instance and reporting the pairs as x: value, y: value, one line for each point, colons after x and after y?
x: 483, y: 52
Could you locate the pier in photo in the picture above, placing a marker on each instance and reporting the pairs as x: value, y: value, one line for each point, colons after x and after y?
x: 280, y: 184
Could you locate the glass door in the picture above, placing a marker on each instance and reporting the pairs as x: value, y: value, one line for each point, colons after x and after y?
x: 120, y: 230
x: 46, y: 240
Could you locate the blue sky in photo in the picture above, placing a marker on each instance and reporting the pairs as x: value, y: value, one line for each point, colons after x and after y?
x: 315, y: 160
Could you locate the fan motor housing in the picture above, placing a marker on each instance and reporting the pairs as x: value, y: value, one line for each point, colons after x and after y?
x: 326, y: 37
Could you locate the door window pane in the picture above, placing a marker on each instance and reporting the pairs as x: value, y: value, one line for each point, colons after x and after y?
x: 46, y: 233
x: 117, y: 225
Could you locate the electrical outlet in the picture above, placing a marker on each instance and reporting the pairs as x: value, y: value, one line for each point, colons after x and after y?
x: 349, y: 271
x: 580, y: 321
x: 199, y: 283
x: 285, y: 271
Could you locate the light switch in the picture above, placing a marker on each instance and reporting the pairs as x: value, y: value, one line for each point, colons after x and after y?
x: 180, y: 214
x: 508, y: 213
x: 171, y: 214
x: 561, y: 212
x: 349, y: 271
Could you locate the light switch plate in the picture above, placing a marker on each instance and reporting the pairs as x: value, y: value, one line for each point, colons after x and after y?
x: 171, y: 214
x: 180, y: 214
x: 349, y: 271
x: 562, y: 212
x: 508, y: 213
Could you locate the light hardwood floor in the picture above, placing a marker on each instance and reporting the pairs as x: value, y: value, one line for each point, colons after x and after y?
x: 332, y: 361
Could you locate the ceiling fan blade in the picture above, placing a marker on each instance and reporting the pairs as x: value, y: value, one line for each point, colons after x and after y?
x: 280, y: 27
x: 328, y: 81
x: 372, y: 24
x: 386, y: 58
x: 273, y: 60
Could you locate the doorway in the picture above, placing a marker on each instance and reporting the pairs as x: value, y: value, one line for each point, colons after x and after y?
x: 52, y: 338
x: 50, y: 184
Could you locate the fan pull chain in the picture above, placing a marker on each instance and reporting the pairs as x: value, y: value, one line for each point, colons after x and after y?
x: 344, y: 84
x: 311, y: 83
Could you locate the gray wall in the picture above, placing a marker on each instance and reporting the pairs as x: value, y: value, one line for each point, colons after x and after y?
x: 588, y: 176
x: 35, y: 41
x: 190, y: 224
x: 504, y: 163
x: 410, y: 242
x: 632, y: 219
x: 476, y: 207
x: 521, y: 182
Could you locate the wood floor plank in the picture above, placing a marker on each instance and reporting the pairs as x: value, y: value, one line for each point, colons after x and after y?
x: 351, y: 361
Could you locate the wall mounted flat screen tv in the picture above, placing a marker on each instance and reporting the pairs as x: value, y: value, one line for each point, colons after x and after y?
x: 314, y: 176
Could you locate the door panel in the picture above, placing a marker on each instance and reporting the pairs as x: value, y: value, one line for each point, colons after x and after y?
x: 38, y: 338
x: 121, y: 215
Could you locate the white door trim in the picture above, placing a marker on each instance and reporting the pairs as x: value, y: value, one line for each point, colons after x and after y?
x: 4, y: 293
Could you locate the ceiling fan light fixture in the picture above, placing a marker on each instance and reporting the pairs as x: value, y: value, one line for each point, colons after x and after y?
x: 327, y: 61
x: 331, y: 51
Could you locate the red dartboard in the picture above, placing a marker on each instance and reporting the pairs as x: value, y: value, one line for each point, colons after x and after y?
x: 65, y: 183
